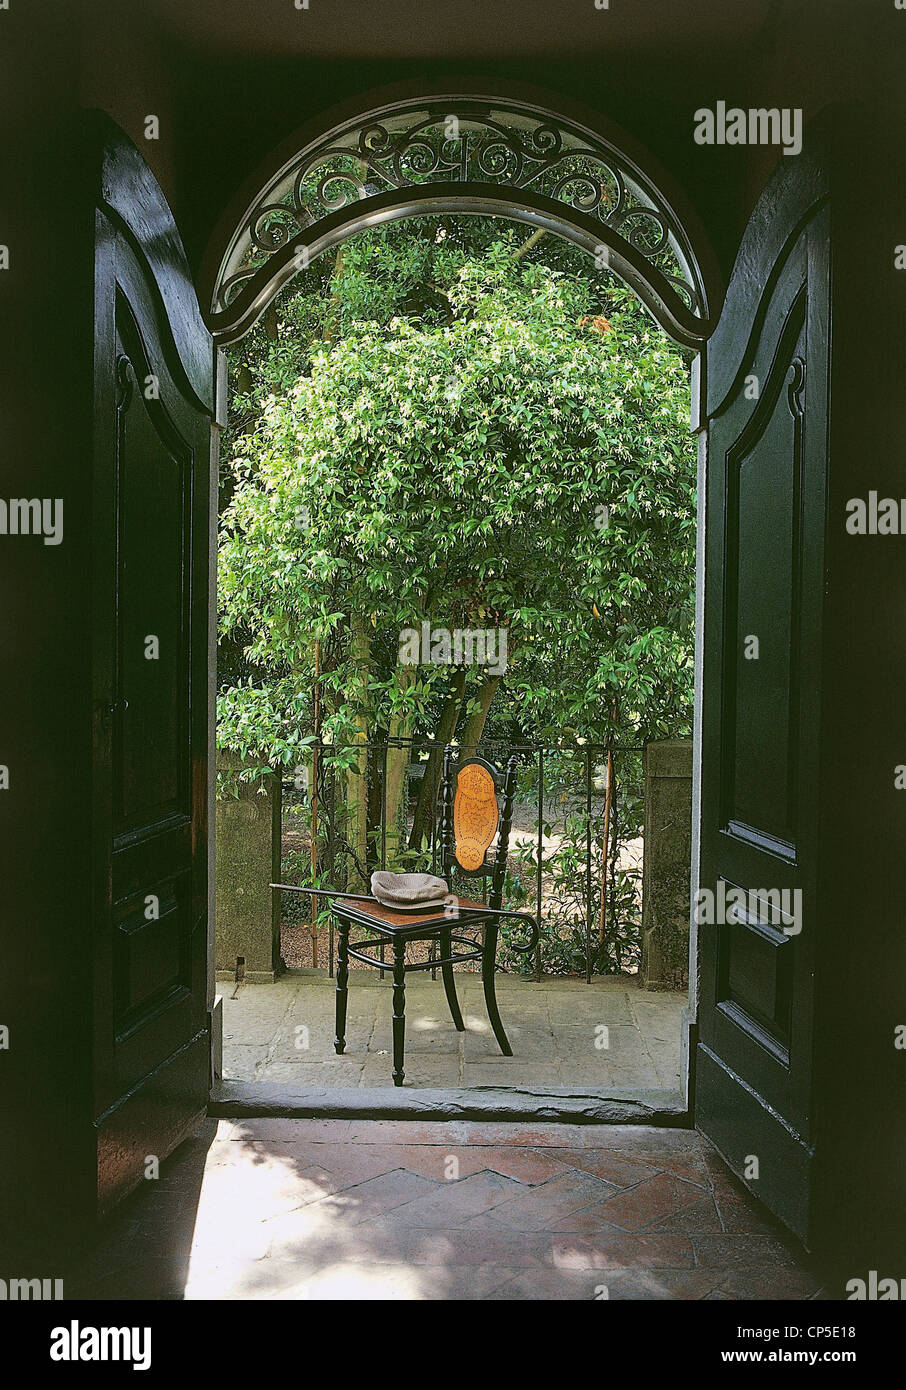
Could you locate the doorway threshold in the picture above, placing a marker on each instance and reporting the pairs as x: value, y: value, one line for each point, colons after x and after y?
x: 554, y: 1105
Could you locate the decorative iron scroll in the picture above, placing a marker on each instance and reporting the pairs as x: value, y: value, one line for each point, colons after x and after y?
x: 460, y: 142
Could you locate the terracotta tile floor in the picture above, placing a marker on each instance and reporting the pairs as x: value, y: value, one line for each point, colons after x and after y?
x: 345, y: 1209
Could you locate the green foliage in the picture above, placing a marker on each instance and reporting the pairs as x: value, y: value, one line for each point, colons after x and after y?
x: 448, y: 457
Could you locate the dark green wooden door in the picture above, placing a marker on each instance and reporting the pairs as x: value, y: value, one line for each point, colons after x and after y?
x: 150, y: 585
x: 767, y: 447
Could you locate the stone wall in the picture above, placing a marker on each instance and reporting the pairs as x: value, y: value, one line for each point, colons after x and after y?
x: 667, y: 866
x: 248, y: 861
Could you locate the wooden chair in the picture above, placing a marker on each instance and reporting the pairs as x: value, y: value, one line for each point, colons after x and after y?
x: 472, y: 815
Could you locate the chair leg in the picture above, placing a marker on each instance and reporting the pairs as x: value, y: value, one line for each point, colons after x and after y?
x: 399, y: 1010
x: 488, y: 962
x: 342, y: 979
x: 446, y: 949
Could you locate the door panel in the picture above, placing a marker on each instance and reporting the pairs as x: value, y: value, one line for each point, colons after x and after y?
x: 151, y: 585
x: 153, y: 746
x: 767, y: 443
x: 763, y: 478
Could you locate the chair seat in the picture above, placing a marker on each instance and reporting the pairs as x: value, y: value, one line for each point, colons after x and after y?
x: 391, y: 922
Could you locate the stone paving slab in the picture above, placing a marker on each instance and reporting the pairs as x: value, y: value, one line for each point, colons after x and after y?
x: 284, y: 1032
x: 289, y: 1209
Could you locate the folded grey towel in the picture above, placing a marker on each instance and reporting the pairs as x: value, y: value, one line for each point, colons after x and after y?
x: 408, y: 890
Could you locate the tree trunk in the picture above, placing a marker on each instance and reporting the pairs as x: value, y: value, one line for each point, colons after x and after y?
x: 427, y: 792
x: 605, y: 856
x: 605, y: 850
x: 333, y: 304
x: 476, y: 721
x: 357, y: 774
x: 527, y: 245
x: 397, y: 761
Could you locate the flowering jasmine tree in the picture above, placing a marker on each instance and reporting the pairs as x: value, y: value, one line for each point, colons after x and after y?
x: 447, y: 432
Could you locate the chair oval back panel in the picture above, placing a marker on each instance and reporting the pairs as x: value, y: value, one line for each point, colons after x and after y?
x: 476, y: 815
x: 480, y: 808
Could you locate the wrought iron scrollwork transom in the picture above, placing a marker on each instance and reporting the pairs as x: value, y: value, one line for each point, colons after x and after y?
x: 459, y: 142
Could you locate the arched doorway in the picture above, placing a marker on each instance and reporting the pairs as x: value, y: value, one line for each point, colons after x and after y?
x: 428, y: 155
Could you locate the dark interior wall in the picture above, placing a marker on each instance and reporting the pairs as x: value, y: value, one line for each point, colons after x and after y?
x: 225, y: 104
x: 224, y: 110
x: 218, y: 96
x: 125, y: 68
x: 45, y: 714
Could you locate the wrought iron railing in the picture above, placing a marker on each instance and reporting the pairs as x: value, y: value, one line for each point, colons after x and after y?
x: 575, y: 857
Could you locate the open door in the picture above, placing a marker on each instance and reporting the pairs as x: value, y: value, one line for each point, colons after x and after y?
x: 151, y: 581
x: 766, y: 403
